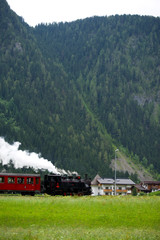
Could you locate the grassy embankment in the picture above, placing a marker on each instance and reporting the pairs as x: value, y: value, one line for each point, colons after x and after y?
x: 47, y: 218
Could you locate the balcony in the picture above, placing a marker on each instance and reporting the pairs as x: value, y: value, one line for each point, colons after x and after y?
x: 121, y: 190
x: 108, y: 190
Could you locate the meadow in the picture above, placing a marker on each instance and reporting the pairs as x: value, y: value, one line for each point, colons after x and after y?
x: 78, y: 218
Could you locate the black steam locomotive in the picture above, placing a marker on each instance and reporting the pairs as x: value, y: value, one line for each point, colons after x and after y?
x: 66, y: 185
x: 30, y: 184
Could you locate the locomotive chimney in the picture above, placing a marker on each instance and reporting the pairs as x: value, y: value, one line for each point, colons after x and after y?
x: 86, y: 176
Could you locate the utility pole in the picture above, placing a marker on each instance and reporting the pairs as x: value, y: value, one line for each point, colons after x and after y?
x: 115, y: 172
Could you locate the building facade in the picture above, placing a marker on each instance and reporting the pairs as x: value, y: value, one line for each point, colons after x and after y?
x: 107, y: 186
x: 147, y: 187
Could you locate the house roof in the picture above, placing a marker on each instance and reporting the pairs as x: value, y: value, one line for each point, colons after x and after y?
x: 19, y: 175
x: 94, y: 181
x: 109, y: 181
x: 125, y: 181
x: 151, y: 182
x: 139, y: 187
x: 105, y: 181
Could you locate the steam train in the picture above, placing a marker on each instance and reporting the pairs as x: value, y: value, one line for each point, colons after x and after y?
x: 31, y: 184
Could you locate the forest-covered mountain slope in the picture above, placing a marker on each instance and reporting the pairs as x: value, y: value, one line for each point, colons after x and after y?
x: 114, y: 63
x: 74, y: 90
x: 41, y: 107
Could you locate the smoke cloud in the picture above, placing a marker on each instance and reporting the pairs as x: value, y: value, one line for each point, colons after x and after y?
x: 21, y: 158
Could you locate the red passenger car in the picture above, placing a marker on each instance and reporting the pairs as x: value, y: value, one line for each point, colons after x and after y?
x: 20, y: 183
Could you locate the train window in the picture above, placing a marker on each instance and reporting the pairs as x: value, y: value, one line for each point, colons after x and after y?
x: 37, y: 180
x: 20, y: 180
x: 11, y: 180
x: 29, y: 180
x: 1, y: 179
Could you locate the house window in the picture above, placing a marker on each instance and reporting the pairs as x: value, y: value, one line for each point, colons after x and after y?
x: 29, y: 180
x: 37, y: 180
x: 11, y: 180
x: 20, y: 180
x: 1, y: 179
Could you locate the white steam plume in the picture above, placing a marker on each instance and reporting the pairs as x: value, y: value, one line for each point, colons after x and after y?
x: 21, y: 158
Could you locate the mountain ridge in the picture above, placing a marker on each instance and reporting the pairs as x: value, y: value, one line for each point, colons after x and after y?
x: 73, y: 91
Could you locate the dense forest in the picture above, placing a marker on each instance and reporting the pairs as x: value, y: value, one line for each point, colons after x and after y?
x: 74, y: 91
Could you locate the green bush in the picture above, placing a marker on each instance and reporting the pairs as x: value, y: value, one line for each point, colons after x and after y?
x: 157, y: 193
x: 134, y: 192
x: 142, y: 194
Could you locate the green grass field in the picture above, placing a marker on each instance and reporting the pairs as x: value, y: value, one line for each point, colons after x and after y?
x: 47, y: 218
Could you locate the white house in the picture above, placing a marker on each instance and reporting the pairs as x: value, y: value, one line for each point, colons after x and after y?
x: 106, y: 186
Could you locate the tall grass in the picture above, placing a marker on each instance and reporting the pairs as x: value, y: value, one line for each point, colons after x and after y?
x: 79, y: 218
